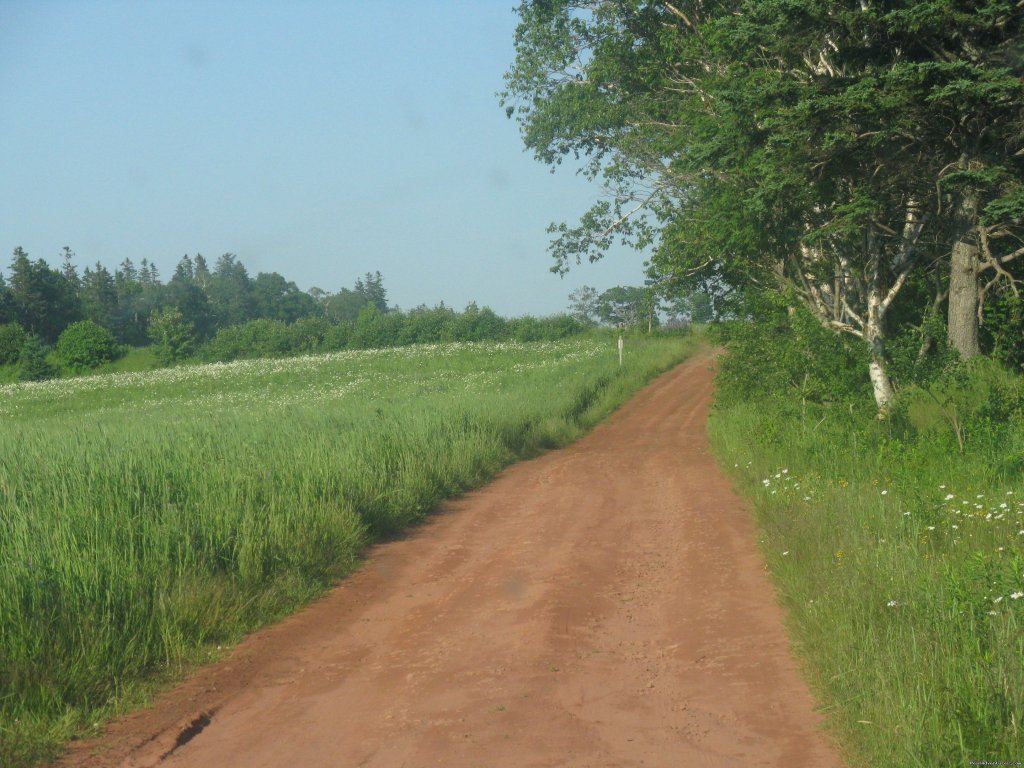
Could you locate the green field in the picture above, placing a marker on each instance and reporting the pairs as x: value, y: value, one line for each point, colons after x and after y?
x: 148, y: 518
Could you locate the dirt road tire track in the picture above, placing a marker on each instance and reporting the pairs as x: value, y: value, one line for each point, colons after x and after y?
x: 602, y: 605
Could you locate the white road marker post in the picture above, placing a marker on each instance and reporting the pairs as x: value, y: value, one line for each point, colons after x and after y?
x: 621, y: 344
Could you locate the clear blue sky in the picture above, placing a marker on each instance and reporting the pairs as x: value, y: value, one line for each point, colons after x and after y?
x: 320, y: 140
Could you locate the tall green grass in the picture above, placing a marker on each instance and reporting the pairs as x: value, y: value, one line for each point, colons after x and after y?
x: 900, y: 559
x: 147, y: 518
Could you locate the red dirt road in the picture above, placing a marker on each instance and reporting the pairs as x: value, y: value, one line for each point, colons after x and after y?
x: 602, y: 605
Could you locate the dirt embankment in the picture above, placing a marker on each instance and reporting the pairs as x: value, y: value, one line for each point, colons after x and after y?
x: 603, y: 605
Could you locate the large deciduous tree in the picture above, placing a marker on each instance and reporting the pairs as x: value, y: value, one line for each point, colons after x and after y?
x: 280, y: 299
x: 830, y: 150
x: 583, y: 304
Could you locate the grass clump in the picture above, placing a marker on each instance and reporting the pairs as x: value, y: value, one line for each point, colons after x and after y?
x: 897, y: 545
x: 148, y: 517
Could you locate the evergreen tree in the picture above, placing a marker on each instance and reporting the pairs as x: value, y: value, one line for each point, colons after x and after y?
x: 98, y: 293
x: 202, y: 271
x: 372, y: 289
x: 148, y: 273
x: 6, y: 302
x: 184, y: 294
x: 12, y: 339
x: 69, y: 270
x: 43, y: 301
x: 230, y: 292
x: 185, y: 271
x: 137, y: 300
x: 33, y: 362
x: 126, y: 273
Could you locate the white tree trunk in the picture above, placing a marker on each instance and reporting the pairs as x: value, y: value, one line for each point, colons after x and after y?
x: 874, y: 331
x: 881, y: 384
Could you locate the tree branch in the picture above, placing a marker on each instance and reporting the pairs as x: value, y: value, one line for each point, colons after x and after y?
x: 626, y: 216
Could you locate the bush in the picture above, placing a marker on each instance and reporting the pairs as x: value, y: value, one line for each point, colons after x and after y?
x: 254, y: 339
x: 526, y: 329
x: 85, y: 345
x: 977, y: 405
x: 307, y: 335
x: 12, y: 339
x: 475, y: 324
x: 374, y: 329
x: 1003, y: 329
x: 912, y: 361
x: 337, y: 337
x: 425, y: 326
x: 544, y: 328
x: 33, y: 362
x: 783, y: 355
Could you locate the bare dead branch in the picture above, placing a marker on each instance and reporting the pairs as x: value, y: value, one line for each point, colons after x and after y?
x: 893, y: 290
x: 846, y: 328
x: 626, y: 216
x: 849, y: 312
x: 680, y: 15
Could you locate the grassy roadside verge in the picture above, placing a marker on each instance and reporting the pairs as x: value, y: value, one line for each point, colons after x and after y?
x: 900, y: 560
x: 147, y: 519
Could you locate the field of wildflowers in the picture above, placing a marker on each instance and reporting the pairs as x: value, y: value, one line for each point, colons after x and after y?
x: 902, y: 567
x: 147, y: 519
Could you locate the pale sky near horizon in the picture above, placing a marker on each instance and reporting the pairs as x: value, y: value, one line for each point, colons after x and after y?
x: 320, y: 140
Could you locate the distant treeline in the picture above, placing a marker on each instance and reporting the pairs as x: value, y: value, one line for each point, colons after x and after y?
x: 218, y: 314
x: 374, y: 329
x: 44, y: 301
